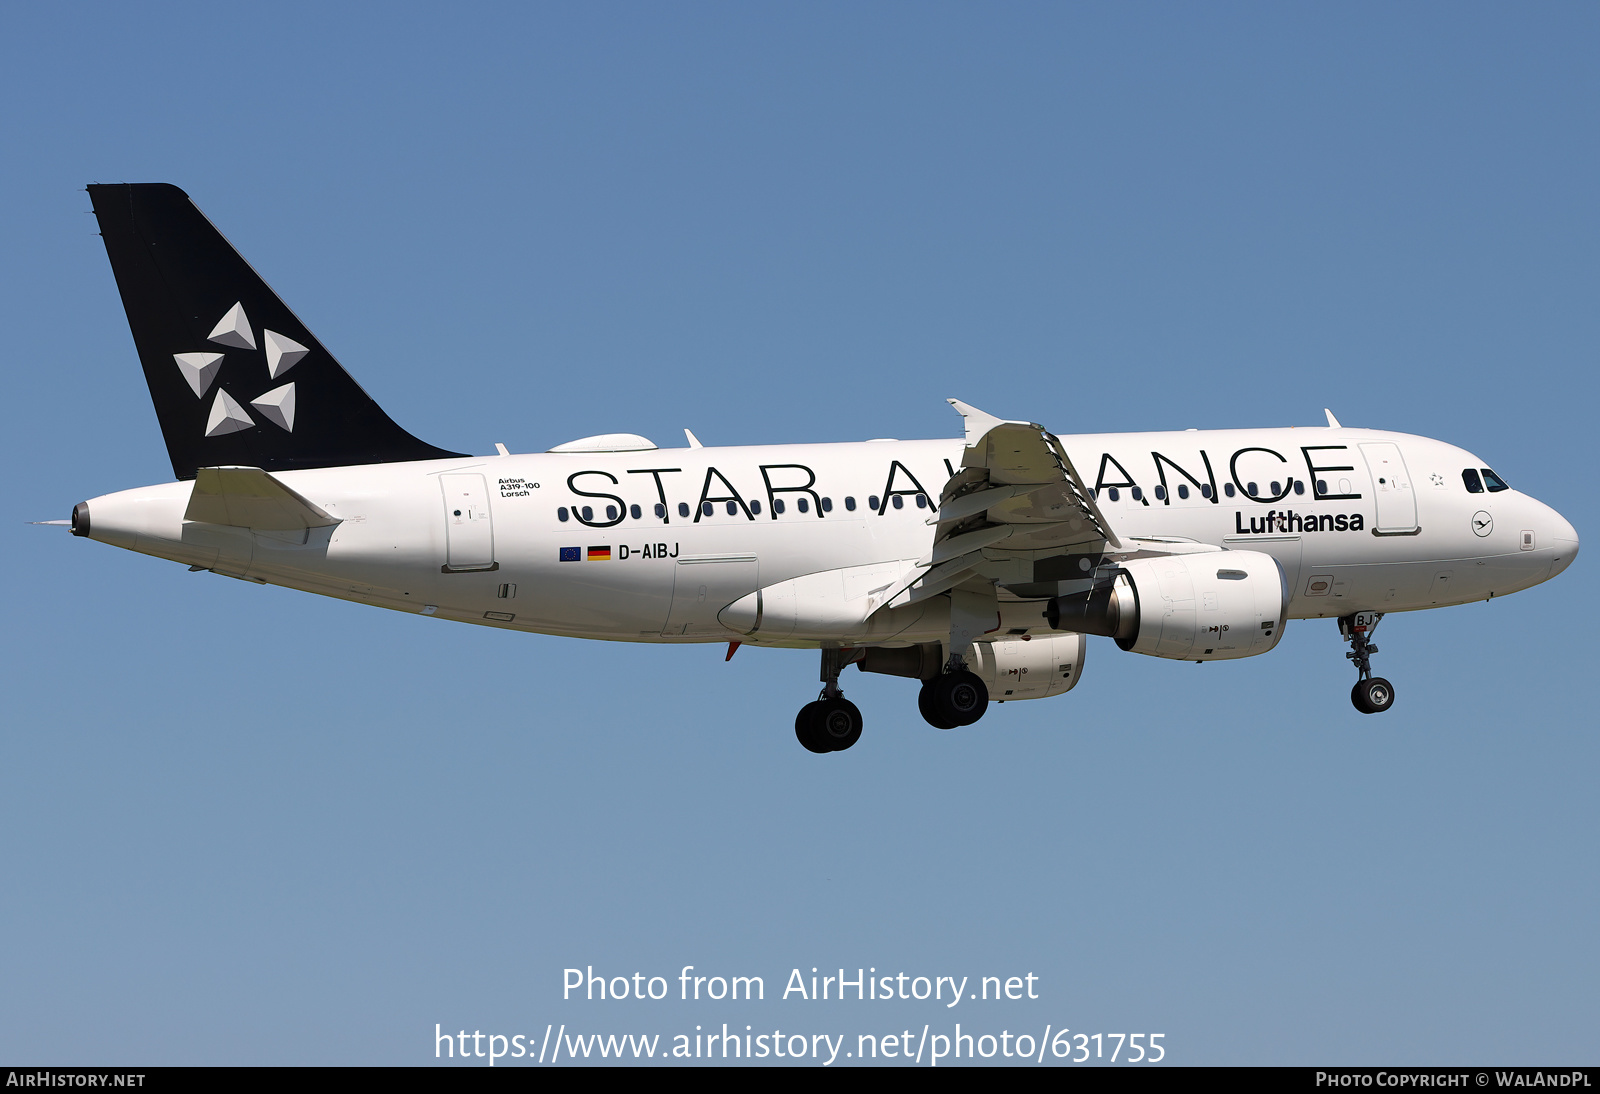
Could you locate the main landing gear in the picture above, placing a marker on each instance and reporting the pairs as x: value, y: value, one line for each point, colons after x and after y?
x: 1372, y: 694
x: 956, y: 697
x: 832, y: 723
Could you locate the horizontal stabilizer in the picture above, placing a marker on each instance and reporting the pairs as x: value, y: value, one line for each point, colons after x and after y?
x: 248, y: 497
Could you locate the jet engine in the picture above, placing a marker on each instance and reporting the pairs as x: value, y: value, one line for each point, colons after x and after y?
x: 1210, y: 606
x: 1031, y: 667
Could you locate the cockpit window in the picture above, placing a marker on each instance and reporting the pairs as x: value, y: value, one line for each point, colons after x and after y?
x: 1494, y: 482
x: 1474, y: 484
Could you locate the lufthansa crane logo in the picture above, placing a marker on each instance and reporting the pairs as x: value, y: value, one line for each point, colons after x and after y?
x: 1482, y: 523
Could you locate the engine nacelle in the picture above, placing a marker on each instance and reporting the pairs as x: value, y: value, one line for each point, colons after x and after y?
x: 1013, y: 667
x: 1033, y: 668
x: 1211, y: 606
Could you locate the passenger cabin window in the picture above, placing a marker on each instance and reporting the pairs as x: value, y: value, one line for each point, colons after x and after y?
x: 850, y: 503
x: 1250, y: 488
x: 1161, y: 493
x: 803, y: 504
x: 872, y: 502
x: 588, y: 513
x: 707, y: 509
x: 1227, y: 488
x: 611, y: 512
x: 922, y: 501
x: 733, y: 507
x: 635, y: 512
x: 1205, y: 490
x: 1275, y: 490
x: 561, y: 514
x: 1494, y: 482
x: 1322, y: 487
x: 1183, y: 491
x: 778, y: 505
x: 683, y: 509
x: 661, y: 510
x: 1474, y: 484
x: 827, y: 505
x: 1299, y: 487
x: 898, y: 501
x: 1137, y: 493
x: 1112, y: 493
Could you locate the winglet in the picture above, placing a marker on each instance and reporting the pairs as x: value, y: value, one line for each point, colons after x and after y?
x: 979, y: 424
x: 1333, y: 423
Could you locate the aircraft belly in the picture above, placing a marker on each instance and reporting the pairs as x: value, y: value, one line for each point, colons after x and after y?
x: 648, y: 581
x: 605, y: 598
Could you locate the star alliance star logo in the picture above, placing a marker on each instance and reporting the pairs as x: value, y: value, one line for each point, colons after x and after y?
x: 200, y: 371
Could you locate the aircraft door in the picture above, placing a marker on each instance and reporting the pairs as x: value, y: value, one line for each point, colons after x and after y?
x: 468, y: 527
x: 1391, y: 486
x: 702, y: 586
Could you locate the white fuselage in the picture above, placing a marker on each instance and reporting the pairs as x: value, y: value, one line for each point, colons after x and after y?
x: 1359, y: 520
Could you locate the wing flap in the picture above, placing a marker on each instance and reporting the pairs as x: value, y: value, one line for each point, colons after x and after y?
x: 1016, y: 514
x: 1017, y: 499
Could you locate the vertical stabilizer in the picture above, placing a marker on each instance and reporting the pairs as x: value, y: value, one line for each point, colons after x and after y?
x: 236, y: 378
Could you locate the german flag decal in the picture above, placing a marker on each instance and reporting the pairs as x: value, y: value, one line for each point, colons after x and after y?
x: 599, y: 554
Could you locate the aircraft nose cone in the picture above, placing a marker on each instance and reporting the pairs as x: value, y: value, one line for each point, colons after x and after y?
x: 1565, y: 539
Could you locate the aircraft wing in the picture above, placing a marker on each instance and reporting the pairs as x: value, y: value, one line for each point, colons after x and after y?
x: 1016, y: 502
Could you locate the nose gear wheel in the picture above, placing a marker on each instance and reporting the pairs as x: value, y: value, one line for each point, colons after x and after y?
x: 1371, y: 694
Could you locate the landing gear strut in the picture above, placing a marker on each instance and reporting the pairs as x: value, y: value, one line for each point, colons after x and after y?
x: 832, y: 723
x: 956, y: 697
x: 1372, y: 694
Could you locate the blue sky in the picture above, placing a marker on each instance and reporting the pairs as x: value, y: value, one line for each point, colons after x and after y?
x: 245, y: 825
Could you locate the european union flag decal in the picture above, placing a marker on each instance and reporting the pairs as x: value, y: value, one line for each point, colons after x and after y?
x: 570, y: 554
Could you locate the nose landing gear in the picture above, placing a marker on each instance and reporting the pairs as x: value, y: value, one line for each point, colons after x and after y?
x: 832, y: 723
x: 1371, y: 694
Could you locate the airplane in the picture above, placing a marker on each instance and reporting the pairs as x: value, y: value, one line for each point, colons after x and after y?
x: 975, y: 566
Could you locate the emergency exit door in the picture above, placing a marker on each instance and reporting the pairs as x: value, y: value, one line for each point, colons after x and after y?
x: 468, y: 527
